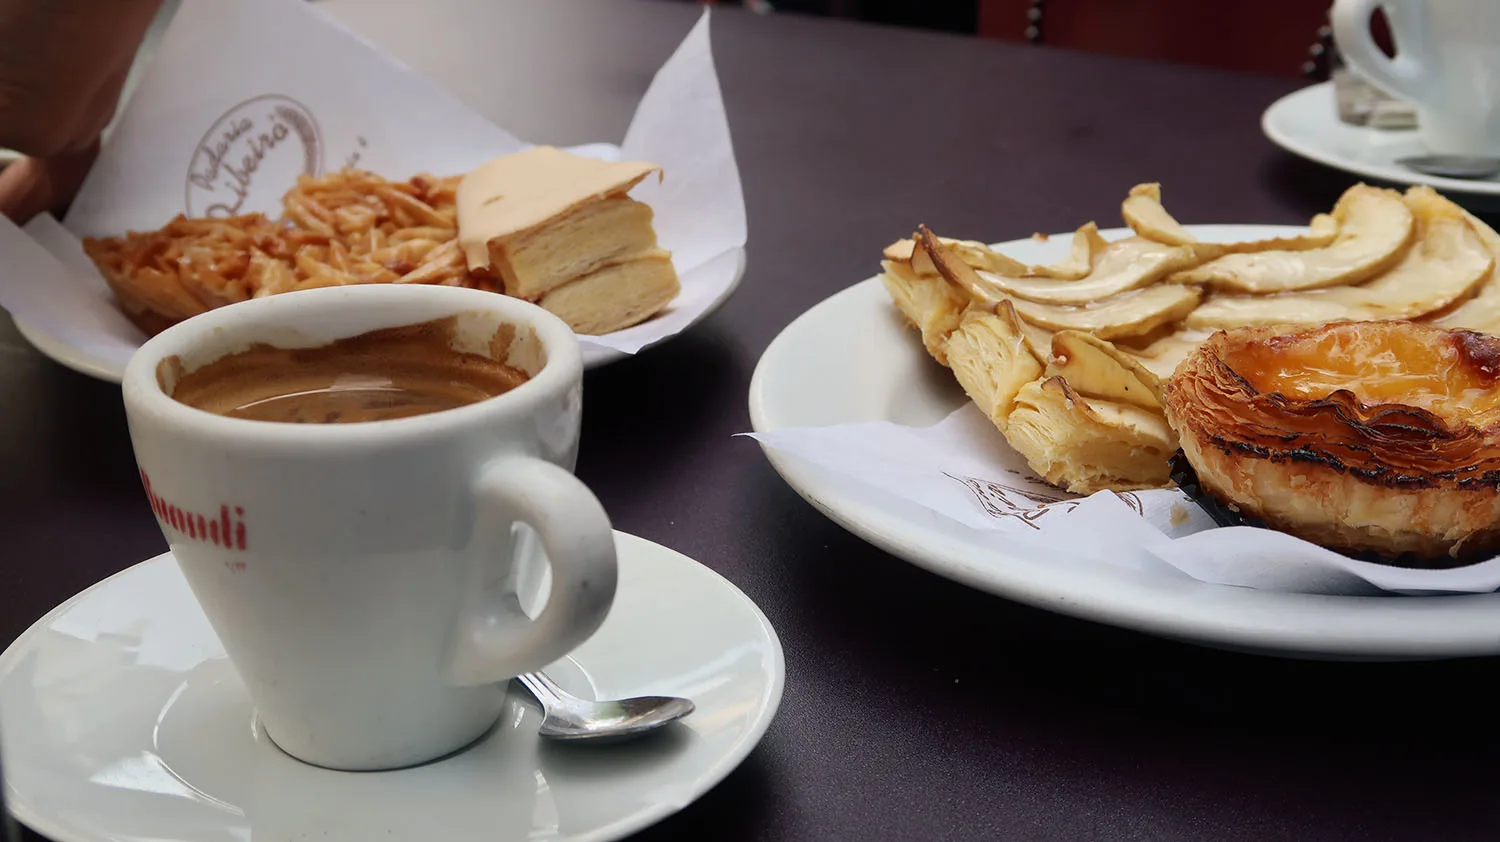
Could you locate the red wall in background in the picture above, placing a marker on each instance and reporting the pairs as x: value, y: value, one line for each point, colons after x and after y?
x: 1263, y: 36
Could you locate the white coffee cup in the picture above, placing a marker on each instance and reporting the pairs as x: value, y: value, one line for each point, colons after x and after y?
x: 363, y: 577
x: 1447, y: 64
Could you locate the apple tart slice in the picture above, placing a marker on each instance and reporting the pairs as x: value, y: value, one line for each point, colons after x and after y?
x: 1364, y: 437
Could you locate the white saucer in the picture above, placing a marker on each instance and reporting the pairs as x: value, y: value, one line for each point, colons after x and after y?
x: 124, y: 722
x: 80, y: 360
x: 1307, y: 123
x: 851, y: 359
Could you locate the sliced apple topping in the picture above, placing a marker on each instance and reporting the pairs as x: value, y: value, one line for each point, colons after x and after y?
x: 1375, y: 226
x: 1122, y: 266
x: 1443, y: 266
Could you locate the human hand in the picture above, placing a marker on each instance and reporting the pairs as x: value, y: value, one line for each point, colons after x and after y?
x: 62, y: 66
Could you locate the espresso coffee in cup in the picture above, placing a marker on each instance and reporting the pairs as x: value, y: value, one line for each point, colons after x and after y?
x: 384, y: 374
x: 369, y: 580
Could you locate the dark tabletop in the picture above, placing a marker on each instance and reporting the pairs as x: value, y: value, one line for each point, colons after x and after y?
x: 915, y: 708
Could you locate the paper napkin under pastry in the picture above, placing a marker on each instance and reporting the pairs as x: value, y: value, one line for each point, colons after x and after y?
x: 243, y: 95
x: 973, y: 485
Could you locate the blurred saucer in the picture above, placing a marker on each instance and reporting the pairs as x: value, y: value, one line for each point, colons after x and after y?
x: 1306, y: 123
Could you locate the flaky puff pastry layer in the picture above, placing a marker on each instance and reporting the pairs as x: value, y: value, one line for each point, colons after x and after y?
x: 1364, y: 437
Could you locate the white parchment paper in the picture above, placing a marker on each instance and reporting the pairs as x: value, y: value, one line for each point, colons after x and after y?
x: 242, y: 96
x: 963, y: 473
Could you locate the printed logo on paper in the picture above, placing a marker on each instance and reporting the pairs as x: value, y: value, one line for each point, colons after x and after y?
x: 257, y: 149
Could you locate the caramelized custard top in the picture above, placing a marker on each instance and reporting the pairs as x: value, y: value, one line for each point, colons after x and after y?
x: 1448, y: 373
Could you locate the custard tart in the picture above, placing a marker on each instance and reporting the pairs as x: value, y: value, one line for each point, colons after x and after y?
x: 1379, y: 438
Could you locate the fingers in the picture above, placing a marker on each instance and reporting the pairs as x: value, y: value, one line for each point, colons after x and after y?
x: 37, y: 185
x: 62, y: 64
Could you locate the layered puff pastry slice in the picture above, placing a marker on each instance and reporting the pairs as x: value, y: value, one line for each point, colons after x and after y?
x: 561, y: 230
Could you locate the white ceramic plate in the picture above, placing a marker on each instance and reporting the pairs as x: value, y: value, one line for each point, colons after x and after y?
x: 125, y: 722
x: 851, y: 359
x: 1307, y: 123
x: 80, y: 360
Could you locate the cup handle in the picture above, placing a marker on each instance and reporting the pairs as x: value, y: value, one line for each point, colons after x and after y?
x: 1402, y: 75
x: 495, y: 639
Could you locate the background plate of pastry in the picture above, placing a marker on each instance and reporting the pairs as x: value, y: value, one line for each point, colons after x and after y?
x: 855, y: 358
x: 80, y: 360
x: 546, y: 225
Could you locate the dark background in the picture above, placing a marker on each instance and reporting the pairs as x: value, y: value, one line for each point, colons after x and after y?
x: 1276, y: 37
x: 915, y: 708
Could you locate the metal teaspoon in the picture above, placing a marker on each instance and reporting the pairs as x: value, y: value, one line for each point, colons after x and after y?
x: 1452, y: 166
x: 568, y: 717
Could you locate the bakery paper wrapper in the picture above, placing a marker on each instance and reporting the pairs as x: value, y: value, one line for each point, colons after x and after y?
x: 962, y: 477
x: 242, y: 96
